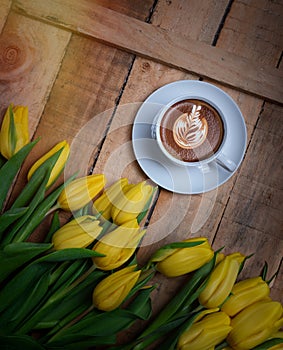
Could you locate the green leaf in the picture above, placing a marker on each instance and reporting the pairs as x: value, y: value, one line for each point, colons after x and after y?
x: 15, y: 255
x: 64, y: 320
x: 25, y: 225
x: 57, y: 299
x: 38, y: 215
x: 66, y: 274
x: 141, y: 305
x: 12, y: 131
x: 34, y: 297
x: 55, y: 225
x: 21, y: 284
x: 10, y: 169
x: 10, y: 216
x: 268, y: 344
x: 35, y: 184
x: 145, y: 277
x: 70, y: 254
x: 74, y: 304
x: 182, y: 300
x: 77, y: 341
x: 19, y: 342
x: 171, y: 339
x: 103, y: 324
x: 2, y: 160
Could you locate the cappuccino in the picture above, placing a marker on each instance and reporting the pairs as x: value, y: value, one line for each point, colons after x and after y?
x: 191, y: 130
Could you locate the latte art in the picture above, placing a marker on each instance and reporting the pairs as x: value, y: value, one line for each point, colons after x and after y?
x: 190, y: 130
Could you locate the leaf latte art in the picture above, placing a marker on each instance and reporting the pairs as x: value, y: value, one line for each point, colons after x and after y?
x: 189, y: 130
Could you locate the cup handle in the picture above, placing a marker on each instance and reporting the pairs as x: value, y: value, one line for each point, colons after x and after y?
x: 225, y: 162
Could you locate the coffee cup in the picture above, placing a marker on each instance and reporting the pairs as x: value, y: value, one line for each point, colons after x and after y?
x: 192, y: 131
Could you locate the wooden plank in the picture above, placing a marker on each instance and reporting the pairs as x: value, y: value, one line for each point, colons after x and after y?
x: 31, y: 53
x: 4, y: 10
x: 261, y: 43
x: 252, y: 221
x: 168, y: 13
x: 156, y: 43
x: 259, y: 188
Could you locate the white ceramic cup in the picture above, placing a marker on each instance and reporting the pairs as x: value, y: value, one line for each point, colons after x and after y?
x: 219, y: 157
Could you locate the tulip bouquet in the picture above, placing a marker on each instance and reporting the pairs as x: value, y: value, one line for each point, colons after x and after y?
x: 82, y: 285
x: 212, y: 310
x: 68, y: 291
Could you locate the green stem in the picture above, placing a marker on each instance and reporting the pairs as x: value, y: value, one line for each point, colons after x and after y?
x: 71, y: 323
x: 83, y: 277
x: 55, y: 207
x: 52, y: 302
x: 62, y: 323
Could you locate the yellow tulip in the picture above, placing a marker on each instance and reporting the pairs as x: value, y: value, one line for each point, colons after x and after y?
x: 104, y: 203
x: 78, y: 233
x: 80, y: 192
x: 255, y: 324
x: 206, y: 333
x: 118, y: 246
x: 131, y: 203
x: 112, y: 291
x: 59, y: 165
x: 221, y: 281
x: 245, y: 293
x: 177, y: 262
x: 14, y: 133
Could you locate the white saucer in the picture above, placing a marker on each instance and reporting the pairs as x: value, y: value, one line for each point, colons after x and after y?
x: 181, y: 179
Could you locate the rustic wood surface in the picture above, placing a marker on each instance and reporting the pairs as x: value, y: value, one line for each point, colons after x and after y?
x: 79, y: 62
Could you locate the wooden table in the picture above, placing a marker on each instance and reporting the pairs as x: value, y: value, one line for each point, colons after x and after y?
x: 72, y: 61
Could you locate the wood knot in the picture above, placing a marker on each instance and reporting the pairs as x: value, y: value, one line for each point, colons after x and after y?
x: 145, y: 67
x: 15, y: 56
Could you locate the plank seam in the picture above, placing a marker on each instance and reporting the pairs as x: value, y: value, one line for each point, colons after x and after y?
x: 222, y: 23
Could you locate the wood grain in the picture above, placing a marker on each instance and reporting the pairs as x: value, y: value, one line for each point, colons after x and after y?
x: 5, y: 8
x: 168, y: 47
x: 252, y: 221
x: 27, y: 49
x: 263, y: 41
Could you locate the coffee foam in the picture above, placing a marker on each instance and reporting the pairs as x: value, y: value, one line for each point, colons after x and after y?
x: 190, y: 130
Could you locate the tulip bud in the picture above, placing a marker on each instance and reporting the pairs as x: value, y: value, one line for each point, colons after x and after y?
x: 14, y: 133
x: 59, y: 165
x: 80, y: 192
x: 177, y: 262
x: 112, y: 291
x: 255, y: 324
x: 131, y: 203
x: 118, y: 246
x: 245, y: 293
x: 210, y: 331
x: 104, y: 203
x: 78, y: 233
x: 221, y: 281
